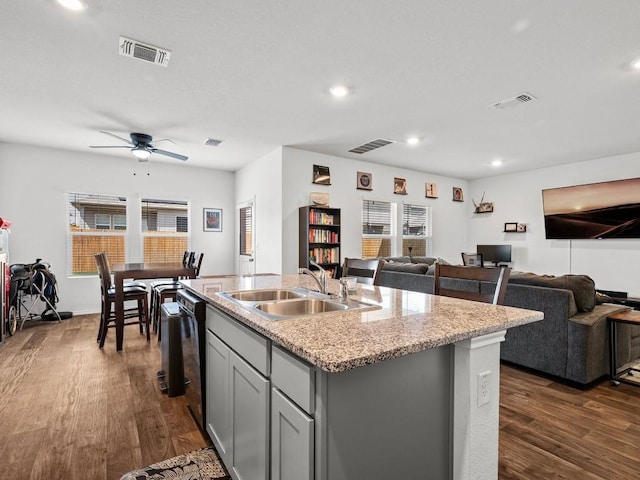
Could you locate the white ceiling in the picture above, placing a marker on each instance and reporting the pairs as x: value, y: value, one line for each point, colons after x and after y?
x: 256, y: 74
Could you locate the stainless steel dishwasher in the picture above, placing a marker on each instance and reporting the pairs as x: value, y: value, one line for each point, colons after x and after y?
x: 183, y: 352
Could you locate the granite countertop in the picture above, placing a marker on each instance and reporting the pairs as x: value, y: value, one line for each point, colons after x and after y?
x: 398, y: 323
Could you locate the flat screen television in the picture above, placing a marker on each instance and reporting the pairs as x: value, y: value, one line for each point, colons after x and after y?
x: 495, y: 254
x: 595, y: 210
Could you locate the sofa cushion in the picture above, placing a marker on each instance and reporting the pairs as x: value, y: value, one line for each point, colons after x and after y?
x: 582, y: 286
x: 418, y: 268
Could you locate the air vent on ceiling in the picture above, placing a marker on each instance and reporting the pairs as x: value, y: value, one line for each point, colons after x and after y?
x: 212, y: 142
x: 144, y: 51
x: 514, y: 101
x: 372, y: 145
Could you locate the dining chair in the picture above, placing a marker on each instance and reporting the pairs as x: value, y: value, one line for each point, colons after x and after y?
x: 365, y: 270
x: 466, y: 282
x: 167, y: 290
x: 187, y: 258
x: 133, y: 291
x: 472, y: 259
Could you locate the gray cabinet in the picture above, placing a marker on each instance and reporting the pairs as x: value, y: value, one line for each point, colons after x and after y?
x: 249, y: 401
x: 238, y: 396
x: 218, y: 405
x: 291, y: 440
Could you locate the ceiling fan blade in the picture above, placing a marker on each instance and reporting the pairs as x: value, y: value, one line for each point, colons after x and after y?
x: 126, y: 140
x: 164, y: 140
x: 169, y: 154
x: 109, y: 146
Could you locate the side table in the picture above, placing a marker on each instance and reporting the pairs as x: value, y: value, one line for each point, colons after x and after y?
x: 631, y: 317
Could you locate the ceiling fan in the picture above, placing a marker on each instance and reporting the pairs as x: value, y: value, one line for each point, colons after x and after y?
x: 140, y: 146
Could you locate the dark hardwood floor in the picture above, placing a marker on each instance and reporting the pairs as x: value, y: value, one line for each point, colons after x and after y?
x: 69, y: 410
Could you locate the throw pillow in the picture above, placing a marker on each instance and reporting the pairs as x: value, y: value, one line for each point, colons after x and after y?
x: 582, y: 286
x: 417, y: 268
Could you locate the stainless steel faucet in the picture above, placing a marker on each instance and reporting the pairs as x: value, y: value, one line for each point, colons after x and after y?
x: 321, y: 280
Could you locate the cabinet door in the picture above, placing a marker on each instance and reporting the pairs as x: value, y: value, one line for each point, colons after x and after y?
x: 250, y: 421
x: 218, y: 408
x: 291, y: 440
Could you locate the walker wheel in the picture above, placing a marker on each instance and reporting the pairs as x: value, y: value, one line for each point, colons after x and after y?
x: 12, y: 320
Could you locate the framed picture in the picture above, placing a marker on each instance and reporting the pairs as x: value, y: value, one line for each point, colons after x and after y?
x: 399, y: 186
x: 321, y: 175
x: 511, y: 227
x: 457, y: 194
x: 430, y: 190
x: 212, y: 220
x: 363, y: 181
x: 522, y: 227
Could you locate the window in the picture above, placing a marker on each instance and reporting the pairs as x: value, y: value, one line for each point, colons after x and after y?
x: 96, y: 223
x: 246, y: 234
x: 416, y: 230
x: 165, y: 229
x: 377, y: 228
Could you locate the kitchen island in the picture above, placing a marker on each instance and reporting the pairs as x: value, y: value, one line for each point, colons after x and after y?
x: 406, y: 387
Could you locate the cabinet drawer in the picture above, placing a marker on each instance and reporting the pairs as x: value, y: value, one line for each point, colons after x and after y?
x: 294, y: 377
x: 249, y: 345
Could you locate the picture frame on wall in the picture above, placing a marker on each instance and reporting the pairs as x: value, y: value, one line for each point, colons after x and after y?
x: 212, y: 220
x: 364, y: 181
x: 430, y: 190
x: 399, y: 186
x: 511, y: 227
x: 457, y: 194
x: 321, y: 175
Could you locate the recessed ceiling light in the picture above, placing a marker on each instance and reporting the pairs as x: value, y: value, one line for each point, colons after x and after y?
x: 636, y: 64
x: 413, y: 140
x: 74, y: 5
x: 496, y: 162
x: 339, y: 91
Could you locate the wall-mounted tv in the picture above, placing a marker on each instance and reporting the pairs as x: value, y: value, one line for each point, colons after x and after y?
x: 595, y: 210
x: 495, y: 254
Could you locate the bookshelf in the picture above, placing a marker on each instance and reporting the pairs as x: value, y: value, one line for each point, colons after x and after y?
x: 319, y: 238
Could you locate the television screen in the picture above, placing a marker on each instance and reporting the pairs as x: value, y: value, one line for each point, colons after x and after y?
x: 595, y: 210
x: 494, y: 253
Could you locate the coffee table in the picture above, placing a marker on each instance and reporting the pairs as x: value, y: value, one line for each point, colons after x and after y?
x: 631, y: 317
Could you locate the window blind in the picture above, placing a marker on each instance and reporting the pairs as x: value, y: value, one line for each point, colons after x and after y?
x: 165, y: 229
x: 246, y: 233
x: 95, y: 224
x: 416, y: 229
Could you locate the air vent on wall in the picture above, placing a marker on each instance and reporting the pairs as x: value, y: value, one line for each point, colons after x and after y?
x: 372, y: 145
x: 514, y: 101
x: 212, y: 142
x: 144, y: 51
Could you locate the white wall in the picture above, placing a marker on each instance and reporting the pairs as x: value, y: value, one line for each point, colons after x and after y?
x: 449, y: 218
x: 32, y: 196
x: 613, y: 264
x: 261, y: 181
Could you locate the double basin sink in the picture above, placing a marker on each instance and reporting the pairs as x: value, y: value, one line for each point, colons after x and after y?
x: 277, y: 304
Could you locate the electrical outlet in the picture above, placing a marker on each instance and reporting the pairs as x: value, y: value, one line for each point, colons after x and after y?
x: 484, y: 388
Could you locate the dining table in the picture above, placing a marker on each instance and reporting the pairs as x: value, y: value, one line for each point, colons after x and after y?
x: 142, y: 271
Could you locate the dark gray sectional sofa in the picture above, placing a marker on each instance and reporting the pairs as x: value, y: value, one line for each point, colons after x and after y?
x: 572, y: 342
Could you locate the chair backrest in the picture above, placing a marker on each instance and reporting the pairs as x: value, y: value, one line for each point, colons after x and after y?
x: 103, y: 270
x: 366, y: 270
x: 497, y: 275
x: 472, y: 259
x: 197, y: 262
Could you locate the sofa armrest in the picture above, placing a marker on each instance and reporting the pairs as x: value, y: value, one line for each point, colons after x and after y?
x: 588, y: 353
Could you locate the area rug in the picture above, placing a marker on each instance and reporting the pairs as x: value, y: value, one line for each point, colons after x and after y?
x: 203, y: 464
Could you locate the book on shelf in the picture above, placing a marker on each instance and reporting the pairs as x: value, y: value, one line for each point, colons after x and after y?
x: 320, y: 218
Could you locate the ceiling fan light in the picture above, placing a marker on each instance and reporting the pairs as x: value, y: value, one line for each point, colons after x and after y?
x: 141, y: 153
